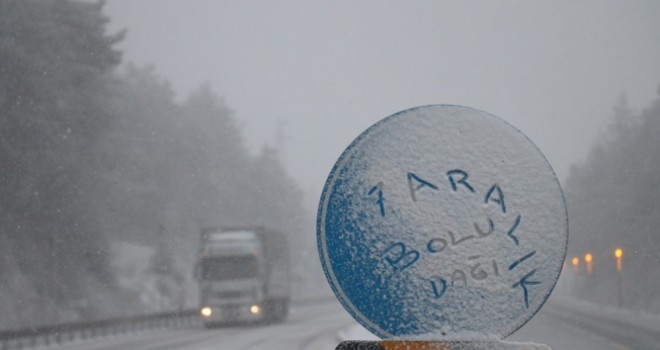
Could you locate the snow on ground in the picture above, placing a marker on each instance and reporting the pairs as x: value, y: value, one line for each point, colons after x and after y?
x: 357, y: 332
x: 558, y: 334
x: 633, y: 318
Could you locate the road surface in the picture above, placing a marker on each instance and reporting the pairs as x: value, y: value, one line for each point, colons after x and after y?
x: 317, y: 326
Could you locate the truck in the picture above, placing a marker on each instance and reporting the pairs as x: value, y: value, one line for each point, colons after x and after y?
x: 243, y: 274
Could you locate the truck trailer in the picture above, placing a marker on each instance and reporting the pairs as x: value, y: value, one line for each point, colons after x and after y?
x: 243, y: 274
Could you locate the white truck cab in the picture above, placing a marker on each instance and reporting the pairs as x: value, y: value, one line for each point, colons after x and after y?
x: 243, y: 275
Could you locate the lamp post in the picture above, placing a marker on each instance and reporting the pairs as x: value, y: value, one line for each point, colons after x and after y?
x: 575, y: 262
x: 618, y: 254
x: 588, y: 258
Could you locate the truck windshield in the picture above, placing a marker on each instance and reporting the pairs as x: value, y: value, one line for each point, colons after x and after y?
x: 229, y: 267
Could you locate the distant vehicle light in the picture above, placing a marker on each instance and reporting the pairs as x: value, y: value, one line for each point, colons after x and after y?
x: 575, y: 261
x: 588, y: 258
x: 255, y: 309
x: 206, y: 311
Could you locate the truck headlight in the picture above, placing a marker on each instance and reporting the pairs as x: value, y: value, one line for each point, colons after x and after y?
x: 255, y: 309
x: 206, y: 311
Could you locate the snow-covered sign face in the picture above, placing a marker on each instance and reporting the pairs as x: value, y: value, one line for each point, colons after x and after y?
x: 442, y: 221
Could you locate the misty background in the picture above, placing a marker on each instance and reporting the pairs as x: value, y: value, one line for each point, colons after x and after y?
x: 126, y: 127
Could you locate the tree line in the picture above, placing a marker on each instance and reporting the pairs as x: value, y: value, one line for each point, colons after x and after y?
x: 613, y: 199
x: 100, y: 165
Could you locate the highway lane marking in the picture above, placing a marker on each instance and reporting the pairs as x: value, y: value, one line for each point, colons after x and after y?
x: 601, y: 338
x: 306, y: 345
x: 576, y: 328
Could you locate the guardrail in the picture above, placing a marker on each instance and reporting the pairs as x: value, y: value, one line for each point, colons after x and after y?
x: 67, y: 332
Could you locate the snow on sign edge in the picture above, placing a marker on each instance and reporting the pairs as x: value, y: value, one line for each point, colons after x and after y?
x: 358, y: 143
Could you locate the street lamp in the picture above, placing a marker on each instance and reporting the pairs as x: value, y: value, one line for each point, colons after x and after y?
x: 588, y: 258
x: 575, y: 261
x: 618, y: 254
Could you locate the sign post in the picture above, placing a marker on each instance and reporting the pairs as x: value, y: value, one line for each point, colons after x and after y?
x: 442, y: 227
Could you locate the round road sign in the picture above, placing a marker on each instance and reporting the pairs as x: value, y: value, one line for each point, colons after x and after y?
x: 442, y: 221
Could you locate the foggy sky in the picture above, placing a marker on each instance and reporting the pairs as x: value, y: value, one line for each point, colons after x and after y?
x: 319, y: 73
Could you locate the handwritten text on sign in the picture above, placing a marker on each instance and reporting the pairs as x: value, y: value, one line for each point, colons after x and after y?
x: 399, y: 256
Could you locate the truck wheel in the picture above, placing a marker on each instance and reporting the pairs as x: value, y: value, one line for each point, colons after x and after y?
x: 278, y: 310
x: 284, y: 310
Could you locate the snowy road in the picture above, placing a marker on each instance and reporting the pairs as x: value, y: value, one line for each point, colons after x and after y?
x: 546, y: 329
x: 309, y: 327
x: 316, y: 326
